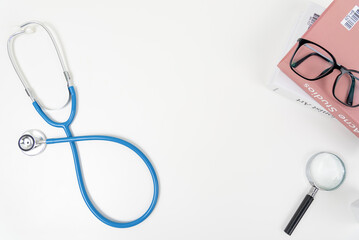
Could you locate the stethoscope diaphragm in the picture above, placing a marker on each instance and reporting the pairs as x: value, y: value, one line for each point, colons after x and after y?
x: 32, y: 142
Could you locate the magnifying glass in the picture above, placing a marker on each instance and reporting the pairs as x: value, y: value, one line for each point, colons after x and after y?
x: 325, y: 171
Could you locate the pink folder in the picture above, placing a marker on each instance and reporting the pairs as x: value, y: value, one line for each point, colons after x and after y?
x: 337, y: 31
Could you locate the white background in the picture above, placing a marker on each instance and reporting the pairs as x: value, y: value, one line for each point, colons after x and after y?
x: 184, y: 81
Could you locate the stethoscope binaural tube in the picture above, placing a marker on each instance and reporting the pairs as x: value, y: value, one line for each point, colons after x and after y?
x: 325, y: 171
x: 26, y: 28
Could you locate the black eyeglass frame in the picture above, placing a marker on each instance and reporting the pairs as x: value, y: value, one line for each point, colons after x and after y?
x: 343, y: 70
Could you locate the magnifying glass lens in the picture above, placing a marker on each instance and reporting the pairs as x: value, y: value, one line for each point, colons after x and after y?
x: 326, y: 171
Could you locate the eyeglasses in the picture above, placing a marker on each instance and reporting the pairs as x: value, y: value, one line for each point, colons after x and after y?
x: 312, y: 62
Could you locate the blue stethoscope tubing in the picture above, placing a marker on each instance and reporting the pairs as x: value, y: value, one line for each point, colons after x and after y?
x: 72, y: 139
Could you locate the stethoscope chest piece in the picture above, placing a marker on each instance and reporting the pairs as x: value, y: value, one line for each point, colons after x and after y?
x: 32, y: 142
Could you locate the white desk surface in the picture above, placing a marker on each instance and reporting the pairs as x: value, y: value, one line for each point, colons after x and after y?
x: 185, y: 81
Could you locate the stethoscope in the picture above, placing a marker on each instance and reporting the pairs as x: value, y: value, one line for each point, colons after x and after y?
x: 34, y: 142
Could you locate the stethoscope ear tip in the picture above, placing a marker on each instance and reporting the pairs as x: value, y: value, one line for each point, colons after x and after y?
x: 32, y: 142
x: 29, y: 29
x: 23, y: 29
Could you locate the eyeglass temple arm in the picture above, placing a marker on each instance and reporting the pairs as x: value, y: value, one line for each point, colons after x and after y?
x: 324, y: 72
x: 350, y: 97
x: 297, y: 63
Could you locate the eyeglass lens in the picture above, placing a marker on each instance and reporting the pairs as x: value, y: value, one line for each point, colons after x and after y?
x: 311, y: 61
x: 346, y: 89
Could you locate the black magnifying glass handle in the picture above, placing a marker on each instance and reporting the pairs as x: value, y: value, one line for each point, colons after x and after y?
x: 303, y: 207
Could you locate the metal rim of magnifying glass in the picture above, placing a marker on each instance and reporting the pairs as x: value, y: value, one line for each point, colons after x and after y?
x: 309, y: 176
